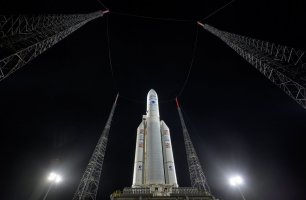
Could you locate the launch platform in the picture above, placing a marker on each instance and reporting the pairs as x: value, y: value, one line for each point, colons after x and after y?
x: 179, y: 193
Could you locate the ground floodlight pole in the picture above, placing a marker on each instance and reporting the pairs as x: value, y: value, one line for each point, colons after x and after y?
x: 239, y: 189
x: 49, y: 188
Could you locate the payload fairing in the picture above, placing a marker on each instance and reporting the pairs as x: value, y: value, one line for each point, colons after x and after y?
x: 154, y: 162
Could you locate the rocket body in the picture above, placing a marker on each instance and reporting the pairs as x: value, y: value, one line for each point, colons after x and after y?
x: 154, y: 163
x: 154, y: 168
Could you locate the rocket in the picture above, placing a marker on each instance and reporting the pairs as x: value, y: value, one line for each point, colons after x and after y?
x: 154, y: 162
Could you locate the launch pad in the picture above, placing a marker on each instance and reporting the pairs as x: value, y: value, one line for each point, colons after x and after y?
x: 179, y: 193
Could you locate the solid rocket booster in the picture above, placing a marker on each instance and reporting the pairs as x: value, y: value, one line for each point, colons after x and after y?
x: 170, y: 173
x: 154, y: 163
x: 138, y: 165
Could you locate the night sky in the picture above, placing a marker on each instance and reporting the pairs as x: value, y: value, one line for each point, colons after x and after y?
x: 53, y: 110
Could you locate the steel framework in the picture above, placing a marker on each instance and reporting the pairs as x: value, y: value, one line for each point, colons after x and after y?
x: 22, y: 38
x: 284, y: 66
x: 197, y: 177
x: 89, y: 184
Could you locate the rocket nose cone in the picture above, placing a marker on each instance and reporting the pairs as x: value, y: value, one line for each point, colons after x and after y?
x: 152, y: 92
x: 152, y: 97
x: 152, y: 104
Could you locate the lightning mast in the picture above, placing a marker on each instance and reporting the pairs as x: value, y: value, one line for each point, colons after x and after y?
x: 23, y: 38
x: 197, y: 177
x: 89, y: 184
x: 284, y: 66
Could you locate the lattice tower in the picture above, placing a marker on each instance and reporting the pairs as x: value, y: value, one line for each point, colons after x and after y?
x: 197, y: 177
x: 22, y: 38
x: 284, y: 66
x: 89, y: 184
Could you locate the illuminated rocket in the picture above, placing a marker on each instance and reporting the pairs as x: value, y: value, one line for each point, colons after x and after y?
x: 154, y: 162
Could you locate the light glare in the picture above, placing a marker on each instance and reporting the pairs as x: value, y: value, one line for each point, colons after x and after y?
x: 236, y: 180
x: 58, y: 179
x: 54, y: 177
x: 239, y: 180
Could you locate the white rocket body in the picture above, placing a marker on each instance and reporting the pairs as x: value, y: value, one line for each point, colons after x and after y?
x: 154, y: 163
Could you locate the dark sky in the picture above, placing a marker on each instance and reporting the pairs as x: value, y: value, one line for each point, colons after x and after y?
x: 53, y: 110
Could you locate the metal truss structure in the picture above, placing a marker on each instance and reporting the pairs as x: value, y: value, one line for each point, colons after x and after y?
x: 197, y: 177
x: 22, y: 38
x: 89, y: 184
x: 284, y: 66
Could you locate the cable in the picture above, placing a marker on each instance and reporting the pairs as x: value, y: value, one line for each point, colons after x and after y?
x: 112, y: 70
x: 153, y: 18
x: 142, y: 101
x: 167, y: 100
x: 102, y: 4
x: 192, y: 60
x: 109, y: 54
x: 189, y: 121
x: 132, y: 100
x: 211, y: 14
